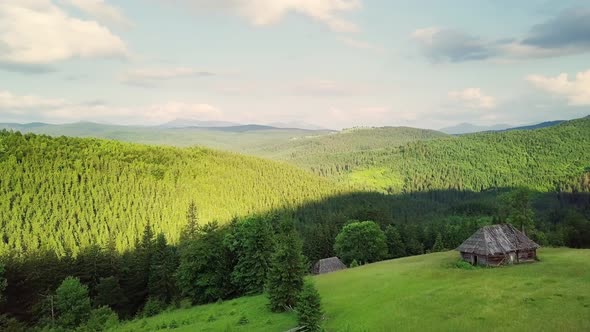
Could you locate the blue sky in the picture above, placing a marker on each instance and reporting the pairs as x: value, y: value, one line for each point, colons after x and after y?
x: 332, y: 63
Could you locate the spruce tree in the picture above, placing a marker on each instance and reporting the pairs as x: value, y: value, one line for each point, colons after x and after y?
x: 192, y: 223
x: 395, y: 245
x: 109, y: 293
x: 251, y: 241
x: 309, y: 308
x: 286, y: 272
x: 438, y: 244
x: 161, y: 284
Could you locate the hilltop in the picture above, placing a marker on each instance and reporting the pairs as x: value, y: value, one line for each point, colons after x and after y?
x: 425, y: 292
x: 546, y: 159
x: 346, y: 141
x: 215, y: 135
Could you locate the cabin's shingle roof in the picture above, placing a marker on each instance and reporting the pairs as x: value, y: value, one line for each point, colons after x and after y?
x: 497, y: 239
x: 327, y: 265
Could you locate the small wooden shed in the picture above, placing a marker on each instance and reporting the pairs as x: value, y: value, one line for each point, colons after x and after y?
x: 497, y: 245
x: 328, y: 265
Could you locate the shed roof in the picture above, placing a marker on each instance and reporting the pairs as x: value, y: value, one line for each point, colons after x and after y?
x: 497, y: 239
x: 327, y: 265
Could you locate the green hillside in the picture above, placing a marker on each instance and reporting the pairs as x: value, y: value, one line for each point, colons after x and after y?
x: 299, y: 150
x: 548, y: 159
x: 65, y: 193
x: 424, y: 292
x: 238, y: 139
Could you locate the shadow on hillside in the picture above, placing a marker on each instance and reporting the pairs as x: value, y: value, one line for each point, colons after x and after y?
x: 418, y: 215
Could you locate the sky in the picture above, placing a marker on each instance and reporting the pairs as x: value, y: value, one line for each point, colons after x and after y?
x: 330, y: 63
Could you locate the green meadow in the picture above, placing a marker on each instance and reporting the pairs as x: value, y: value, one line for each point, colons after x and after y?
x: 419, y: 293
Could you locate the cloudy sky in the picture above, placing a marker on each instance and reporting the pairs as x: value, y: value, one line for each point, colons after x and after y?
x: 333, y: 63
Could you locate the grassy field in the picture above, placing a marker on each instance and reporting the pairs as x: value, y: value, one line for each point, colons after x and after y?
x: 422, y: 293
x: 242, y: 314
x: 425, y: 293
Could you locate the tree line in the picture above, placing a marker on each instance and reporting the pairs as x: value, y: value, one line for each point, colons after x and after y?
x: 210, y: 263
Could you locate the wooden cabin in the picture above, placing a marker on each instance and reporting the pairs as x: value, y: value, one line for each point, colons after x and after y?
x: 328, y: 265
x: 498, y: 245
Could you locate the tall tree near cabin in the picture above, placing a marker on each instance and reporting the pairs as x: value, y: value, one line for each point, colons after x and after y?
x: 520, y: 214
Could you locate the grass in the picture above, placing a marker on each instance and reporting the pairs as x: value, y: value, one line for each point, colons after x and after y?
x: 422, y: 293
x: 242, y: 314
x: 428, y: 293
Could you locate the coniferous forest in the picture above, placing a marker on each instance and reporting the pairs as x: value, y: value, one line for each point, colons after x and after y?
x: 127, y: 230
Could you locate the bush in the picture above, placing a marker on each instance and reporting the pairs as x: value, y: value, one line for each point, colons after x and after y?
x: 243, y: 320
x: 185, y: 304
x: 461, y: 264
x: 153, y: 307
x: 101, y: 319
x: 173, y: 325
x: 10, y: 324
x: 354, y: 264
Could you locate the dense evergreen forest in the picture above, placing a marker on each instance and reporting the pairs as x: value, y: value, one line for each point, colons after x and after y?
x: 347, y: 141
x: 62, y: 194
x: 549, y: 159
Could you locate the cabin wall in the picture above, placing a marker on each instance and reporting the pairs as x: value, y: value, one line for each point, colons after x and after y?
x: 496, y: 260
x: 482, y: 260
x: 527, y: 255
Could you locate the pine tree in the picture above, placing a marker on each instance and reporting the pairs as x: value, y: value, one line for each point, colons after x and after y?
x: 251, y: 241
x: 192, y: 223
x: 309, y: 308
x: 395, y: 245
x: 161, y: 284
x: 109, y: 293
x: 438, y: 244
x: 286, y: 272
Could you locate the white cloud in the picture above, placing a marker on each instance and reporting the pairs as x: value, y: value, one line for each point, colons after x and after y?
x: 576, y: 91
x: 37, y: 32
x: 100, y: 10
x: 14, y: 103
x: 473, y: 98
x: 267, y: 12
x: 150, y: 76
x: 25, y: 108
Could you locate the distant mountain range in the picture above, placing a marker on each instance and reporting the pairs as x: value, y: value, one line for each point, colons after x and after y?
x: 468, y: 128
x: 538, y: 125
x: 186, y: 123
x: 189, y: 123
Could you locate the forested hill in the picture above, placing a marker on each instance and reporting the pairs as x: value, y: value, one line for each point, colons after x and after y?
x: 346, y: 141
x: 548, y: 159
x: 65, y: 193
